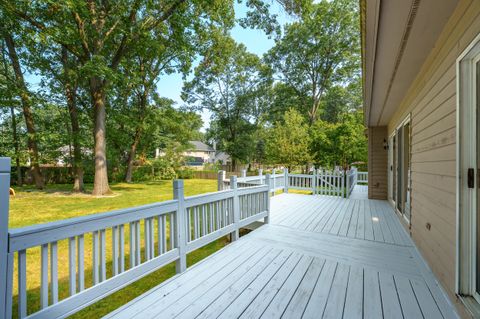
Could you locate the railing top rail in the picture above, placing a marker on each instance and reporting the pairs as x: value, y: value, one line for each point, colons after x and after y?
x: 208, y: 197
x: 253, y: 189
x: 35, y: 235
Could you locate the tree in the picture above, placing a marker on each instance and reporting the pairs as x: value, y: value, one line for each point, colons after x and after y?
x: 25, y: 98
x: 288, y: 141
x: 142, y: 68
x: 318, y: 51
x: 340, y: 143
x: 7, y: 99
x: 70, y: 85
x: 100, y: 35
x: 225, y: 83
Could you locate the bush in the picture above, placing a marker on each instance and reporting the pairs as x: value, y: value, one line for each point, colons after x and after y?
x: 158, y: 169
x: 185, y: 173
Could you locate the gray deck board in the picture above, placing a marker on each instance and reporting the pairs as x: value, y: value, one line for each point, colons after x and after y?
x: 321, y: 257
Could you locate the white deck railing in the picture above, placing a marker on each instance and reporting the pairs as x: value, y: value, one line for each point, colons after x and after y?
x: 319, y: 182
x: 363, y: 178
x: 171, y: 229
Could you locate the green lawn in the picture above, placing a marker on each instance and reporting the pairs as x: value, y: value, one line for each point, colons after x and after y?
x: 57, y: 202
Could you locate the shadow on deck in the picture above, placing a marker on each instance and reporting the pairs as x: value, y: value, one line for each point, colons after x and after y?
x: 320, y: 257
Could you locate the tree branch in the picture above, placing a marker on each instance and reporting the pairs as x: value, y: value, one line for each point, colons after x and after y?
x: 81, y: 32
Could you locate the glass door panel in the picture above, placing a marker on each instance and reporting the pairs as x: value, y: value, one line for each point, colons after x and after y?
x: 399, y: 201
x: 406, y: 170
x: 477, y: 228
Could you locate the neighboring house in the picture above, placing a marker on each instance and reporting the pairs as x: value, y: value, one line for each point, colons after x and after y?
x: 201, y: 153
x: 421, y: 67
x: 65, y: 156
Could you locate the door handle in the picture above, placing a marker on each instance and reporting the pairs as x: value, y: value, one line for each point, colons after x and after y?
x: 471, y: 178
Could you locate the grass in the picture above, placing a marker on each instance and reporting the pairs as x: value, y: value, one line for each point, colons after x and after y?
x: 56, y: 202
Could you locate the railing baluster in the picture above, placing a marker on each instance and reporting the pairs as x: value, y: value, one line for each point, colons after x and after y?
x: 54, y: 271
x: 22, y: 283
x: 151, y: 225
x: 95, y: 253
x: 115, y: 250
x: 210, y: 211
x: 122, y: 248
x: 81, y: 262
x: 132, y: 244
x: 204, y: 221
x: 103, y: 257
x: 195, y: 223
x: 171, y: 231
x: 146, y: 235
x: 164, y: 233
x: 44, y: 277
x: 72, y: 265
x: 217, y: 218
x: 159, y: 234
x: 137, y: 244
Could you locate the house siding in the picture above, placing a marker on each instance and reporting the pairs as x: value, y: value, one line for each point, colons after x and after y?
x: 377, y: 163
x: 431, y: 103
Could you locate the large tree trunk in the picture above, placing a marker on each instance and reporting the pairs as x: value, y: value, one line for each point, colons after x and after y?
x: 97, y: 92
x: 27, y: 112
x: 16, y: 146
x: 71, y: 96
x: 131, y: 155
x: 136, y: 138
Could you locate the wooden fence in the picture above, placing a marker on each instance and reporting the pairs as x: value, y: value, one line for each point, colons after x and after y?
x: 171, y: 230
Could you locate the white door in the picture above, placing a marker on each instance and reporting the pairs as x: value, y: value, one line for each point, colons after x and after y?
x: 468, y: 172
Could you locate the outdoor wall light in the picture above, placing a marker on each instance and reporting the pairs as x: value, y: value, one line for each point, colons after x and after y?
x: 385, y: 144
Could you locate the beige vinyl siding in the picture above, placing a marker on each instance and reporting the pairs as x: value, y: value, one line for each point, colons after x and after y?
x: 377, y: 163
x: 431, y: 101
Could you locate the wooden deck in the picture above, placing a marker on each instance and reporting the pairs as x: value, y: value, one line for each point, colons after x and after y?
x: 320, y: 257
x: 359, y: 192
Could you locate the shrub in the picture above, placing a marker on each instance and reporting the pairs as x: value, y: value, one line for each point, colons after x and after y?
x: 158, y: 169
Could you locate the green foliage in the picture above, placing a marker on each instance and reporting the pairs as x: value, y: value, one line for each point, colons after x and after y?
x: 159, y: 169
x: 340, y: 143
x: 185, y: 173
x: 225, y: 83
x: 288, y: 141
x: 317, y: 52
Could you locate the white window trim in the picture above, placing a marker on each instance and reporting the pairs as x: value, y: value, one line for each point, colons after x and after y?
x: 466, y: 157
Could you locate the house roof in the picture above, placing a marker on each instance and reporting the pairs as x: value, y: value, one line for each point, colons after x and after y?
x: 200, y: 146
x: 222, y: 156
x: 397, y: 39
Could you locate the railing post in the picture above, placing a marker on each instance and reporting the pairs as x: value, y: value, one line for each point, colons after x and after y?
x: 266, y: 220
x: 244, y: 173
x: 220, y: 179
x: 180, y: 225
x: 260, y: 175
x: 314, y: 181
x: 236, y: 207
x: 285, y: 172
x: 273, y: 182
x: 348, y: 183
x: 6, y: 269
